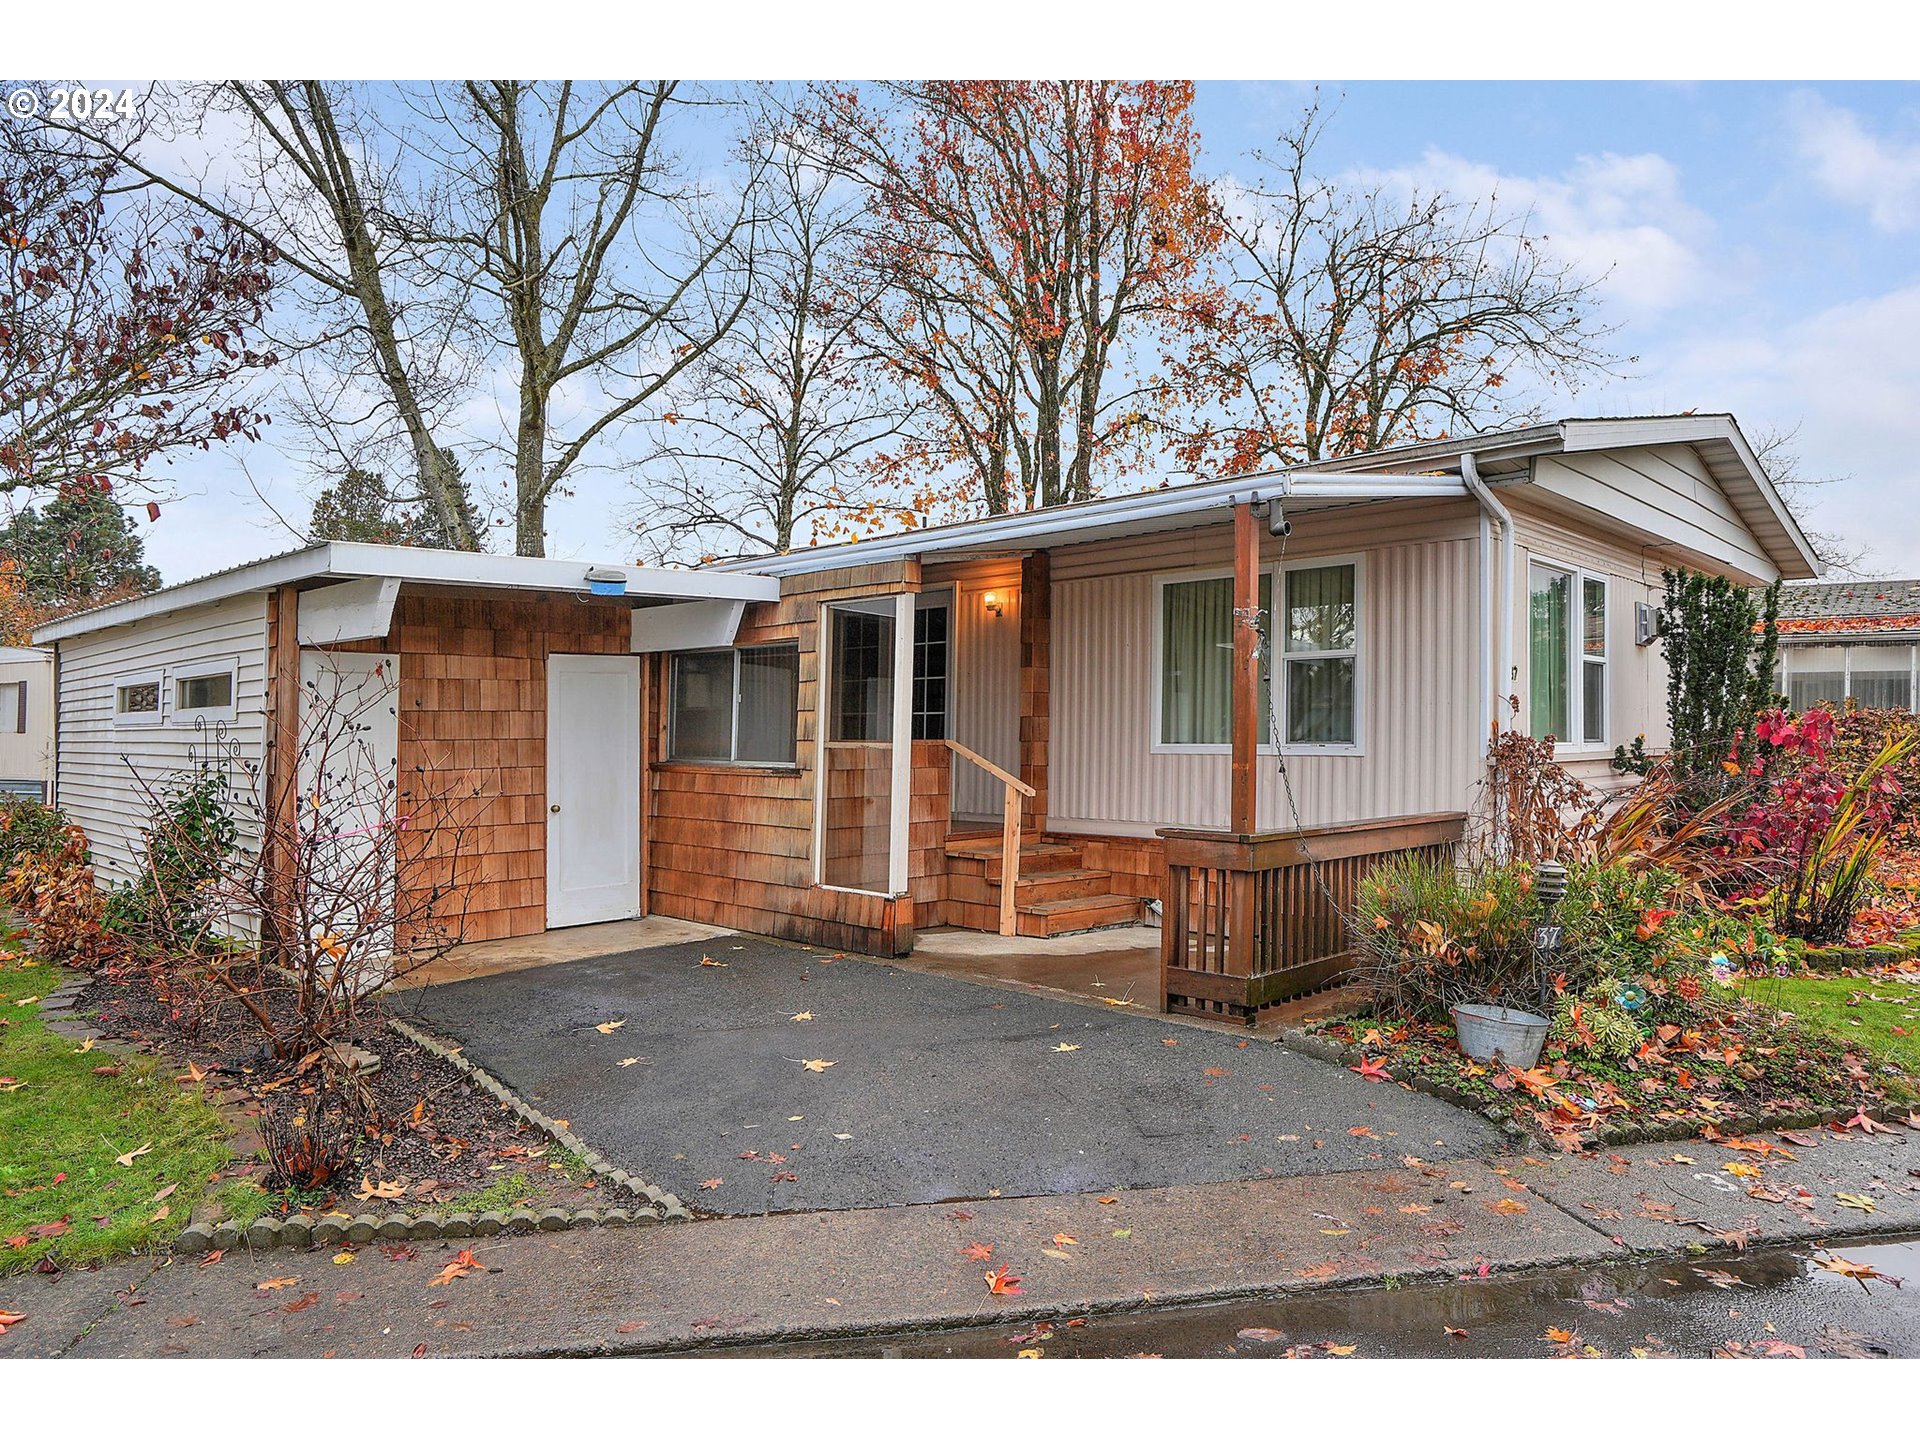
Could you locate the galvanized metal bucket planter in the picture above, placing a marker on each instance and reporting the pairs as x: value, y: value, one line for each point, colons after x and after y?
x: 1489, y: 1030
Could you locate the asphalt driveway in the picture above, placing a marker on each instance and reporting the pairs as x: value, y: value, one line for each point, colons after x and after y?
x: 936, y: 1090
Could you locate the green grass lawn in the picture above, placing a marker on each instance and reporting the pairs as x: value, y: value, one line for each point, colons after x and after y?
x: 1824, y: 1003
x: 63, y: 1127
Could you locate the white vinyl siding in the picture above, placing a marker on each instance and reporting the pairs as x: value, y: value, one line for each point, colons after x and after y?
x: 1417, y: 717
x: 95, y: 784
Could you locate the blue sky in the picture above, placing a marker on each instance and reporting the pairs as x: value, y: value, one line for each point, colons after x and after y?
x: 1760, y: 239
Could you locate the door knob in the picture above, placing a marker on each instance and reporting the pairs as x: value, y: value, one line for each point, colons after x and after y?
x: 553, y: 809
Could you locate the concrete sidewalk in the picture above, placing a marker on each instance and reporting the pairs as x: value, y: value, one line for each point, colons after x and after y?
x: 786, y: 1277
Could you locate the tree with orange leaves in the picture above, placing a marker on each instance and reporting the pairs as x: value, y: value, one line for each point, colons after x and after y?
x: 1365, y: 315
x: 1035, y: 240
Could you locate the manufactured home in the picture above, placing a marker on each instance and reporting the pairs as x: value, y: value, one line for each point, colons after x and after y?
x: 1853, y: 642
x: 26, y: 721
x: 1209, y: 705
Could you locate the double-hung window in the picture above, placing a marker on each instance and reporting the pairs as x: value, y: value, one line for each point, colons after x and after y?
x: 734, y: 707
x: 1318, y: 634
x: 1309, y: 667
x: 1196, y: 661
x: 1566, y: 654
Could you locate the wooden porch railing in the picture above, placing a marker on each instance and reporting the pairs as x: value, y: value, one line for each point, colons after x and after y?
x: 1011, y: 789
x: 1245, y: 920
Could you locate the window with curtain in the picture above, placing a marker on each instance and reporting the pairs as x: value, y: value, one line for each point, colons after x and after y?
x: 734, y: 706
x: 1321, y: 638
x: 1815, y: 675
x: 1196, y: 661
x: 1880, y: 677
x: 1549, y: 651
x: 1567, y: 655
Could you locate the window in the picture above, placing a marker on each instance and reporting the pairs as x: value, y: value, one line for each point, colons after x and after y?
x: 1566, y: 657
x: 731, y: 707
x: 1320, y: 654
x: 13, y: 708
x: 203, y: 693
x: 861, y: 702
x: 1196, y: 661
x: 136, y: 700
x: 930, y: 629
x: 1872, y: 676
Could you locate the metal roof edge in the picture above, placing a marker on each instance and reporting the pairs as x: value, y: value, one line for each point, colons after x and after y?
x: 351, y: 560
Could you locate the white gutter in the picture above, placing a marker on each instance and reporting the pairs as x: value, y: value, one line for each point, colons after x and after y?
x: 347, y: 560
x: 1054, y: 524
x: 1490, y: 506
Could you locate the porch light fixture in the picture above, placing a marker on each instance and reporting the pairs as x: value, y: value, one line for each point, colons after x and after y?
x: 995, y: 605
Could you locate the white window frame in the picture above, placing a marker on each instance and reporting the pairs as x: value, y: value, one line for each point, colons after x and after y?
x: 1160, y: 583
x: 1276, y: 646
x: 1577, y: 657
x: 1282, y: 699
x: 733, y: 729
x: 210, y: 714
x: 155, y: 678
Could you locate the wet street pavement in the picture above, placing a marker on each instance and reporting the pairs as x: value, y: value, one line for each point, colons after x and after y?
x: 1776, y: 1303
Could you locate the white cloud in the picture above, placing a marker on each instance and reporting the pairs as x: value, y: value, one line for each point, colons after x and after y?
x: 1856, y: 166
x: 1845, y: 376
x: 1619, y: 216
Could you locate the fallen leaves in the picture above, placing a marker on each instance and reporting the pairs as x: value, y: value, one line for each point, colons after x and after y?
x: 10, y: 1318
x: 1064, y: 1239
x: 1003, y: 1281
x: 1863, y: 1203
x: 1866, y: 1124
x: 1261, y: 1335
x: 978, y: 1251
x: 371, y: 1189
x: 132, y: 1155
x: 277, y: 1282
x: 462, y: 1264
x: 803, y: 1016
x: 1374, y: 1070
x: 713, y: 964
x: 1506, y: 1205
x: 607, y: 1027
x: 1063, y: 1048
x: 1856, y: 1270
x: 713, y: 1184
x: 1719, y: 1279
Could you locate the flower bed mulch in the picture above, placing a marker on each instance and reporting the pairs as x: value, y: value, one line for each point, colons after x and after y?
x: 436, y: 1141
x: 1740, y: 1069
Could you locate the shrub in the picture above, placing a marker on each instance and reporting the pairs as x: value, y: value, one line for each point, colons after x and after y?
x: 1433, y: 936
x: 52, y: 889
x: 1861, y: 734
x: 1816, y: 831
x: 188, y: 841
x: 28, y: 827
x: 1721, y: 644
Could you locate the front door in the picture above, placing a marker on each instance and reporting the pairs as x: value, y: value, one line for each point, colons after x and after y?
x: 593, y: 789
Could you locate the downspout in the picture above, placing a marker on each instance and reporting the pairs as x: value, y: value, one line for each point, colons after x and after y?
x: 1490, y: 507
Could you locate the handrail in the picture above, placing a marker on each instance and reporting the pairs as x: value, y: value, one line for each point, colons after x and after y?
x: 992, y: 769
x: 1011, y: 789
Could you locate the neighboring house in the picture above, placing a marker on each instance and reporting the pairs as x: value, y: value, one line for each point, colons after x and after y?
x: 846, y: 744
x: 1853, y: 640
x: 26, y: 721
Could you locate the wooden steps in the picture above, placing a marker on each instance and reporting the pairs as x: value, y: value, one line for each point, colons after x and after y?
x: 1056, y: 894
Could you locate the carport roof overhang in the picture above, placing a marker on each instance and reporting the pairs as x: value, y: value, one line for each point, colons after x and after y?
x: 343, y: 560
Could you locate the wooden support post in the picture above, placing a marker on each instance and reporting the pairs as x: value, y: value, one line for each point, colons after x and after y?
x: 1009, y: 856
x: 283, y: 767
x: 1036, y: 684
x: 1246, y: 668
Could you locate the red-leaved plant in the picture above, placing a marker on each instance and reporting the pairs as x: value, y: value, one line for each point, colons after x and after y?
x: 1814, y: 831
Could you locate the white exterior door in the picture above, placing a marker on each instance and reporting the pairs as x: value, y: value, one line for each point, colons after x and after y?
x: 593, y: 789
